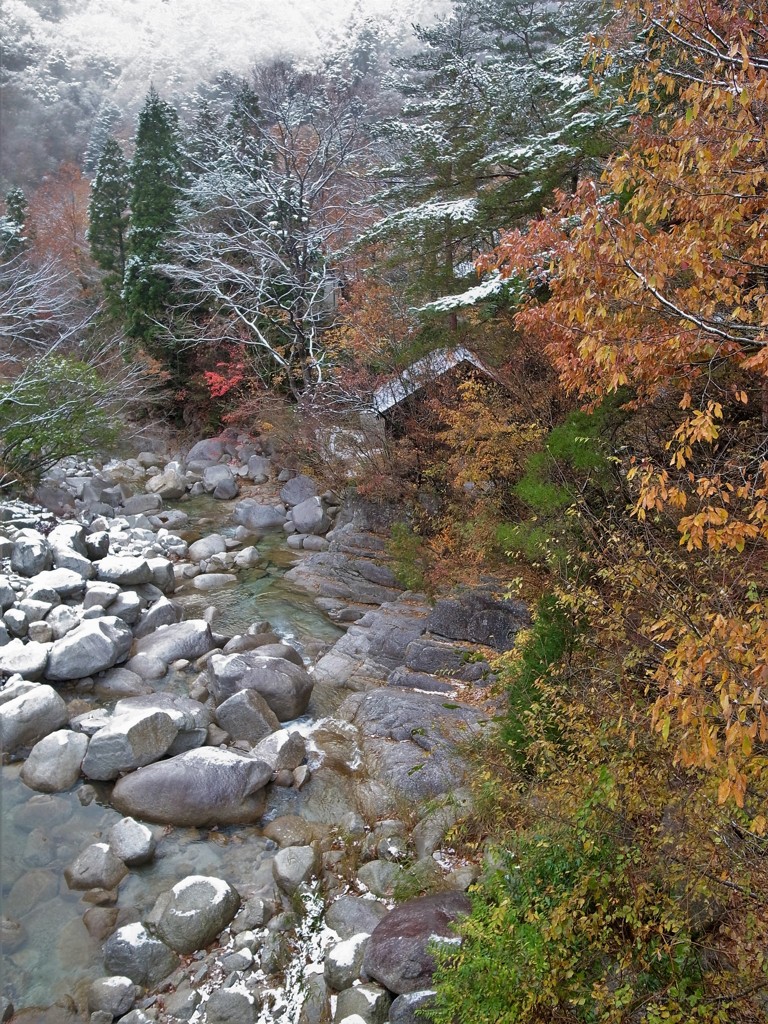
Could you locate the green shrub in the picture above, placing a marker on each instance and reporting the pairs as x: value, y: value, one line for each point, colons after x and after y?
x: 573, y: 453
x: 407, y: 550
x: 57, y: 406
x: 528, y: 715
x: 563, y: 932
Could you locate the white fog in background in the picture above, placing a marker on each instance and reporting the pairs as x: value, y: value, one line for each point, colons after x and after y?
x: 177, y: 43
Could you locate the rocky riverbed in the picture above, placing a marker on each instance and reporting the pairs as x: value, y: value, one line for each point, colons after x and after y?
x: 324, y: 775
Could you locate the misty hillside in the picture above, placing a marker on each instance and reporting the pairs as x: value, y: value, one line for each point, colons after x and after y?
x: 68, y: 62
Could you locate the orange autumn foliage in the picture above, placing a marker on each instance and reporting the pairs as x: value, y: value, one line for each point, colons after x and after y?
x: 653, y: 280
x: 58, y: 218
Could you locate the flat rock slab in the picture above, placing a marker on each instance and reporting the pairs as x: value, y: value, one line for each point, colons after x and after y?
x: 397, y: 954
x: 408, y: 739
x: 479, y: 618
x: 206, y: 786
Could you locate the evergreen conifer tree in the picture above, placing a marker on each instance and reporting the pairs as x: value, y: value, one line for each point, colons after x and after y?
x: 108, y: 216
x: 13, y: 237
x: 157, y: 174
x: 498, y: 111
x: 108, y: 118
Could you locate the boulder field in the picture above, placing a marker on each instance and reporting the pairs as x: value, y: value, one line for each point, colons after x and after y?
x: 359, y: 793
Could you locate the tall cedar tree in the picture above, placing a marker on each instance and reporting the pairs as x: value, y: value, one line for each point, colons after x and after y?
x: 13, y: 238
x: 108, y: 215
x: 157, y: 174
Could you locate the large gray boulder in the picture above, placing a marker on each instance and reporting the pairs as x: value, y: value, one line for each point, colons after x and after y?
x: 31, y: 553
x: 247, y: 716
x: 397, y: 954
x: 256, y: 517
x: 351, y: 915
x: 310, y: 517
x: 368, y: 1003
x: 131, y: 740
x: 405, y: 1009
x: 7, y: 594
x: 170, y: 484
x: 120, y: 682
x: 194, y: 912
x: 15, y: 688
x: 161, y: 613
x: 28, y: 660
x: 29, y: 717
x: 95, y: 868
x: 62, y: 581
x: 210, y: 449
x: 54, y: 762
x: 344, y: 961
x: 293, y: 866
x: 190, y: 717
x: 132, y: 842
x: 232, y: 1006
x: 213, y: 544
x: 220, y: 481
x: 259, y: 468
x: 284, y: 686
x: 206, y: 786
x: 183, y: 640
x: 67, y: 542
x: 139, y: 504
x: 114, y: 995
x: 133, y: 952
x: 93, y: 646
x: 162, y: 572
x: 282, y: 749
x: 299, y: 489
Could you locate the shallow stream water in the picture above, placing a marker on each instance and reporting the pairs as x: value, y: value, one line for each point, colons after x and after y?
x: 41, y: 834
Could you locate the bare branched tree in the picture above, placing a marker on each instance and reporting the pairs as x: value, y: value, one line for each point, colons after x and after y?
x: 256, y: 262
x: 38, y: 308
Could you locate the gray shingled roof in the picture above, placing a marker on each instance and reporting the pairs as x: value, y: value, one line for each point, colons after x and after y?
x: 422, y: 372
